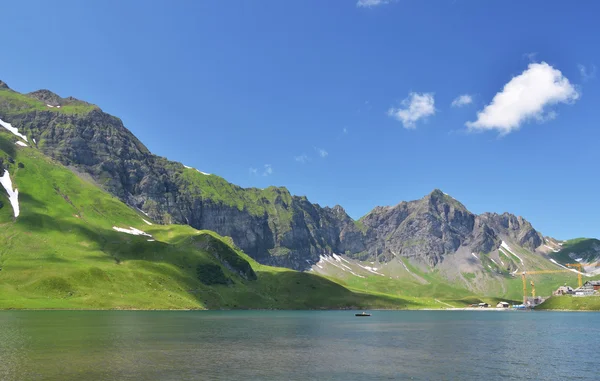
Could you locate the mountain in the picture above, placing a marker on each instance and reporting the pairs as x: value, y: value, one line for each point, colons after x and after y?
x: 432, y: 241
x: 66, y: 243
x: 271, y: 225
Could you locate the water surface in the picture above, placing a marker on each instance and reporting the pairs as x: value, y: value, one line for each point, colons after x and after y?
x: 280, y: 345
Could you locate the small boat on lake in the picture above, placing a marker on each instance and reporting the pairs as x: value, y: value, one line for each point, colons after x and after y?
x: 362, y: 314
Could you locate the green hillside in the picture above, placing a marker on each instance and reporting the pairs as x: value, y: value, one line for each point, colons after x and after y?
x: 62, y: 252
x: 585, y: 248
x: 571, y: 303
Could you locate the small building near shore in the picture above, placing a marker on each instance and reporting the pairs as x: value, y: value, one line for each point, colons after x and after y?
x: 595, y: 284
x: 589, y: 288
x: 502, y: 305
x: 563, y: 290
x: 483, y: 305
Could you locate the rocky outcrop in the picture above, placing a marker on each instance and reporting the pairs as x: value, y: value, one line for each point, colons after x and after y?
x: 516, y: 229
x: 270, y: 225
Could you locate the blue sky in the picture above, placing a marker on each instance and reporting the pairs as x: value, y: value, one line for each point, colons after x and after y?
x: 347, y: 103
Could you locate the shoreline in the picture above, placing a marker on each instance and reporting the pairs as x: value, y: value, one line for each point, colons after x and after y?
x: 489, y: 309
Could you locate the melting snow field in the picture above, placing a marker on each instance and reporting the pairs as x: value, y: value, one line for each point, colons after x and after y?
x: 13, y: 195
x: 371, y: 269
x: 132, y: 231
x: 147, y: 222
x: 336, y: 261
x: 12, y: 129
x: 199, y: 171
x: 20, y: 143
x: 566, y: 268
x: 473, y: 254
x: 507, y: 248
x: 556, y: 263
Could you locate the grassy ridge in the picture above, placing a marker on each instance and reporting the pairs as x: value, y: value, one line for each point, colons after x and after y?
x: 22, y: 104
x: 272, y: 201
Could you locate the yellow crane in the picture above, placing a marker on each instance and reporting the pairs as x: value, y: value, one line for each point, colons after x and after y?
x: 578, y: 266
x: 524, y: 278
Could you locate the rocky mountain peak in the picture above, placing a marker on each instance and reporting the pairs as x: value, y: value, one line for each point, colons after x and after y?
x: 47, y: 97
x: 339, y: 211
x: 53, y: 99
x: 516, y: 228
x: 3, y: 85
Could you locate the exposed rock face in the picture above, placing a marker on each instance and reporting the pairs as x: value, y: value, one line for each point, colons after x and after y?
x: 428, y: 229
x: 270, y: 225
x: 516, y: 228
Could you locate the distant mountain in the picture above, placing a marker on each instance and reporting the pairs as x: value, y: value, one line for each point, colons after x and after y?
x: 271, y: 225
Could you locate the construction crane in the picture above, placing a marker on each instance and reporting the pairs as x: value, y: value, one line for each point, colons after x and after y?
x: 579, y: 267
x: 524, y: 279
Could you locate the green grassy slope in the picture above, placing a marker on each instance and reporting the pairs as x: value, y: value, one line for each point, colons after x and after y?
x: 62, y: 252
x: 585, y: 248
x: 21, y: 104
x: 579, y: 303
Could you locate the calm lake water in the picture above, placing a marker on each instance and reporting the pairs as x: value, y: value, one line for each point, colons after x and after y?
x: 333, y: 345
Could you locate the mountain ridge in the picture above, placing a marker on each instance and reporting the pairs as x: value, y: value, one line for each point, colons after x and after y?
x: 271, y: 225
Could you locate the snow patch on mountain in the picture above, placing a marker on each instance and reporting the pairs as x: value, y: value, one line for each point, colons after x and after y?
x: 132, y: 231
x: 12, y: 129
x: 505, y: 246
x: 13, y: 195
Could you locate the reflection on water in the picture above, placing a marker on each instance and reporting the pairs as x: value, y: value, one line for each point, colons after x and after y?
x: 242, y: 345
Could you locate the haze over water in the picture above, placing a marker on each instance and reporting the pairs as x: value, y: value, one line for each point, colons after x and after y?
x: 285, y: 345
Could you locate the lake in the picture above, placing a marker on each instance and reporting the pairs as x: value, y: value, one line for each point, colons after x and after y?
x: 305, y: 345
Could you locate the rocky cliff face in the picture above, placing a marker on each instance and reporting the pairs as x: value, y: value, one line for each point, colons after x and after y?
x: 436, y: 226
x: 270, y: 225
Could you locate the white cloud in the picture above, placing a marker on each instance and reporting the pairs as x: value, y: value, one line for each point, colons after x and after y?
x: 526, y: 97
x: 321, y: 152
x: 345, y: 130
x: 302, y: 158
x: 268, y: 170
x: 370, y: 3
x: 587, y: 74
x: 462, y: 100
x: 252, y: 171
x: 416, y: 107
